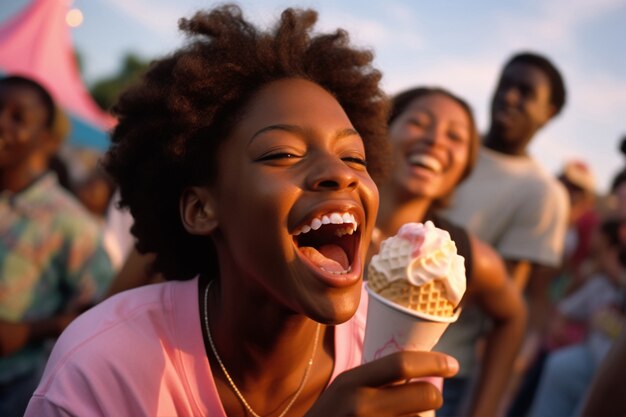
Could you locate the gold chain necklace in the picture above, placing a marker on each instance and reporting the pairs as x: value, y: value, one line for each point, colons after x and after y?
x: 230, y: 379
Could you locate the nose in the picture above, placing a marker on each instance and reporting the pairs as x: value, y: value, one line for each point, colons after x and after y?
x: 330, y: 173
x: 435, y: 134
x: 510, y: 95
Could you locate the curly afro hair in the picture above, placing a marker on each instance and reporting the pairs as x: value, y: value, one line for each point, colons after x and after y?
x: 172, y: 122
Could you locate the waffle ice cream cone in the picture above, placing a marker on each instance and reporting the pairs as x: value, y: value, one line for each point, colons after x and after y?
x: 430, y: 298
x: 414, y: 285
x: 420, y: 270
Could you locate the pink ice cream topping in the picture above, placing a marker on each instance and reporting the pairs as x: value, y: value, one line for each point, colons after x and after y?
x: 430, y: 255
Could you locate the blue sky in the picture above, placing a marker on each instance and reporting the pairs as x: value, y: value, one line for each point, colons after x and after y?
x: 458, y: 44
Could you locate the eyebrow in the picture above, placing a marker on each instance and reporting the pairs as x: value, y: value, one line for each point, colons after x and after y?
x: 300, y: 131
x: 453, y: 122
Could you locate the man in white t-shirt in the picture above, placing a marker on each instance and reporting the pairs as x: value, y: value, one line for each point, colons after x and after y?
x: 512, y: 203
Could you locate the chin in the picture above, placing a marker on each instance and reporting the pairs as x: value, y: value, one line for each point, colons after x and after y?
x: 338, y: 308
x: 507, y: 134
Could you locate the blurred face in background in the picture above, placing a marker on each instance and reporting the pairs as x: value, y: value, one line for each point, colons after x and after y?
x: 520, y: 105
x: 23, y: 130
x: 430, y: 143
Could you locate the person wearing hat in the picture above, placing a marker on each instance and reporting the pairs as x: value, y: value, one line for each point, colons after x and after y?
x: 580, y: 184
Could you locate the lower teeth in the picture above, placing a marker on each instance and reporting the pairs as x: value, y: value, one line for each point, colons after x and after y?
x: 337, y: 272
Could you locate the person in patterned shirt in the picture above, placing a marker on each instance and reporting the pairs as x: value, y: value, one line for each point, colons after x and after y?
x: 52, y: 262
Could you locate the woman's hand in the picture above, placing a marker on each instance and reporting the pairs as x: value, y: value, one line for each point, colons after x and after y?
x: 378, y: 388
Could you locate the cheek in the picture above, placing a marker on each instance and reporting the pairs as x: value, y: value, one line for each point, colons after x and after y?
x: 398, y: 164
x: 254, y: 227
x: 460, y: 156
x: 399, y: 147
x: 396, y: 149
x: 25, y: 135
x: 258, y: 204
x: 371, y: 198
x: 399, y: 137
x: 245, y: 206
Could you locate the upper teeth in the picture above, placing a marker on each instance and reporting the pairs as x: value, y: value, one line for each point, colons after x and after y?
x: 426, y: 160
x: 331, y: 218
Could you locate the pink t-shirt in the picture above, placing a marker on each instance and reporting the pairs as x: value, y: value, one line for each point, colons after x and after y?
x: 141, y: 353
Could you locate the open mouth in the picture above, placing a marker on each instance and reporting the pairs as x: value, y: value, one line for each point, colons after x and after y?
x: 425, y: 161
x: 330, y: 241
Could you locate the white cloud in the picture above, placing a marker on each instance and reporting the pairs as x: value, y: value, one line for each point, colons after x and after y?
x: 550, y: 23
x: 577, y: 11
x: 362, y: 31
x: 600, y: 95
x: 160, y: 17
x: 376, y: 33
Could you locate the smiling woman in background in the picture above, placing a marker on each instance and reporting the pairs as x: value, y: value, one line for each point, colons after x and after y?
x: 434, y: 144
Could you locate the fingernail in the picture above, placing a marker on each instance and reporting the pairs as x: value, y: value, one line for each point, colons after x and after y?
x: 453, y: 364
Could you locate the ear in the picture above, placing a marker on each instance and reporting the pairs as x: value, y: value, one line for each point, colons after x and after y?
x: 197, y: 211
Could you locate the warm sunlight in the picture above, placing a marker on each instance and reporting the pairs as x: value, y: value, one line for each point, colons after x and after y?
x: 74, y: 18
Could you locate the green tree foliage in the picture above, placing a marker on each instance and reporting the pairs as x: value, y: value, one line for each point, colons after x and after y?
x: 80, y: 61
x: 106, y: 90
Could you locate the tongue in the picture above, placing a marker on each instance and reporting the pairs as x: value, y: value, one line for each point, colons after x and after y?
x: 330, y: 257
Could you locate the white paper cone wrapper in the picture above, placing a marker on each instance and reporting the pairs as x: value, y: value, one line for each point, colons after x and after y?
x: 392, y: 328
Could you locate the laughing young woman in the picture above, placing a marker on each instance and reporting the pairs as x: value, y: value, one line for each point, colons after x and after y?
x: 434, y: 142
x: 245, y: 159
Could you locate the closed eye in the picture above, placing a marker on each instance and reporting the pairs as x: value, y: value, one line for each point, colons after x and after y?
x: 355, y: 160
x: 456, y: 137
x: 420, y: 120
x: 417, y: 123
x: 276, y: 156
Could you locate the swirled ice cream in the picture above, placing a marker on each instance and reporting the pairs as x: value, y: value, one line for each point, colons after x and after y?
x: 419, y: 269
